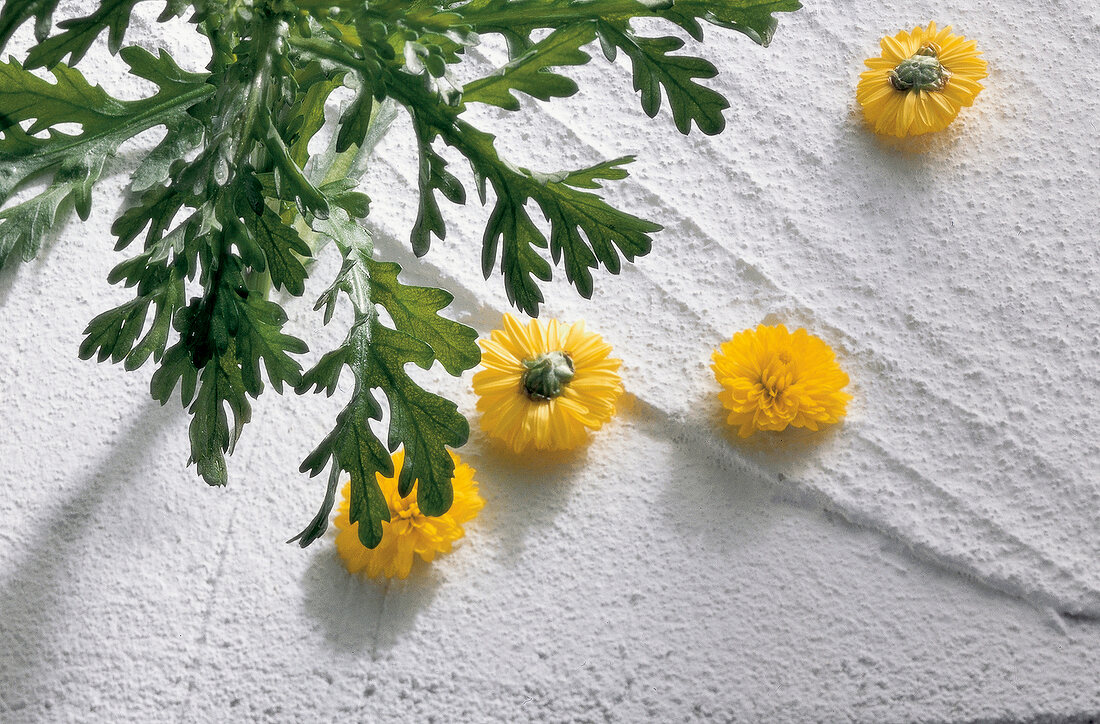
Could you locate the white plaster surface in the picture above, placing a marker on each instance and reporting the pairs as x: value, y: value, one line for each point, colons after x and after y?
x: 934, y: 558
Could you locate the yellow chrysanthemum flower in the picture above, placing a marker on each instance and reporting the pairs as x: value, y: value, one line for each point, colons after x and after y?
x: 408, y: 532
x: 545, y: 386
x: 772, y: 378
x: 920, y: 82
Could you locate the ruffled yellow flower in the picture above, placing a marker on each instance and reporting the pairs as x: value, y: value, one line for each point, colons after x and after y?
x: 920, y: 82
x: 772, y: 378
x: 545, y: 386
x: 408, y: 532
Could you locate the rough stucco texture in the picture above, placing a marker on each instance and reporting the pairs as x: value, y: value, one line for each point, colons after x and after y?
x: 932, y: 559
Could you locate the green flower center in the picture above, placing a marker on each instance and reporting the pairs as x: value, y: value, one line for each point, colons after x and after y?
x: 922, y: 71
x: 547, y: 375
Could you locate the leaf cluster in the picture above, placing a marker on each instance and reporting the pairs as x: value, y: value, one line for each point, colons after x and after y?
x: 234, y: 203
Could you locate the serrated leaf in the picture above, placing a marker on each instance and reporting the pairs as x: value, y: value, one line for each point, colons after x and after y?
x: 259, y: 337
x: 291, y: 182
x: 518, y: 18
x: 79, y: 34
x: 655, y: 69
x: 754, y: 18
x: 530, y: 73
x: 424, y: 423
x: 607, y: 232
x: 584, y: 229
x: 175, y: 370
x: 310, y: 108
x: 352, y: 448
x: 282, y: 248
x: 25, y: 225
x: 155, y: 168
x: 113, y: 333
x: 341, y: 193
x: 166, y: 302
x: 589, y: 178
x: 414, y: 310
x: 76, y: 159
x: 433, y: 177
x: 211, y: 436
x: 228, y: 372
x: 14, y: 13
x: 520, y: 264
x: 156, y: 210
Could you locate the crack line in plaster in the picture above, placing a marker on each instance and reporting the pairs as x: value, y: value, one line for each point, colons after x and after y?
x: 851, y: 341
x: 378, y: 623
x: 208, y: 614
x: 702, y: 437
x: 1087, y: 607
x: 885, y: 365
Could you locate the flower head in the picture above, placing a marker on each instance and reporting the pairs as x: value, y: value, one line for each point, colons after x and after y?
x: 408, y: 532
x: 772, y: 378
x: 920, y: 81
x: 544, y: 386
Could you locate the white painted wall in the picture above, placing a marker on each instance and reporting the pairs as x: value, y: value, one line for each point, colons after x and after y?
x: 906, y: 566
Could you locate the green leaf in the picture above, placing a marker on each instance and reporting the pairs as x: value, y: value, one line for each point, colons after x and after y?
x: 155, y: 168
x: 353, y: 448
x: 113, y: 333
x: 224, y: 337
x: 77, y: 159
x: 259, y: 337
x: 341, y: 193
x: 24, y: 226
x: 156, y: 210
x: 220, y: 384
x: 14, y: 13
x: 290, y: 180
x: 80, y: 33
x: 309, y: 109
x: 655, y: 69
x: 519, y: 262
x: 528, y: 73
x: 754, y: 18
x: 424, y: 423
x: 282, y: 248
x: 355, y: 122
x: 167, y: 301
x: 520, y: 17
x: 175, y: 370
x: 414, y: 311
x: 589, y: 178
x: 585, y: 230
x: 583, y: 225
x: 433, y: 176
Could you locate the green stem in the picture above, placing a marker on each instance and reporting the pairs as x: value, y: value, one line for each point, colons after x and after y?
x: 539, y: 13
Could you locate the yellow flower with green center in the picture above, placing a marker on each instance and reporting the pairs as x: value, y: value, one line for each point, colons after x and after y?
x: 408, y: 533
x: 544, y: 386
x: 920, y: 82
x: 772, y: 379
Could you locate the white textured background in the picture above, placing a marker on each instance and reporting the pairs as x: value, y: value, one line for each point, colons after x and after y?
x: 935, y: 558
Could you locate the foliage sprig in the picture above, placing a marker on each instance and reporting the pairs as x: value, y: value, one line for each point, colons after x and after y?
x: 233, y: 200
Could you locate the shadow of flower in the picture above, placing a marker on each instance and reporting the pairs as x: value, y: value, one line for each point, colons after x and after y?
x: 359, y: 615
